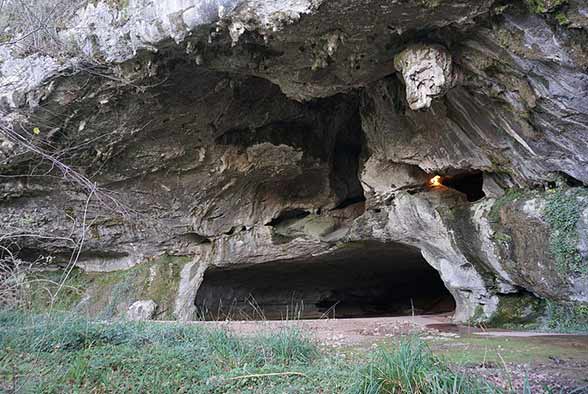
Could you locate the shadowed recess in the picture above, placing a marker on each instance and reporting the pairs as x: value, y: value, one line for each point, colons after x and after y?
x: 469, y: 184
x: 363, y: 279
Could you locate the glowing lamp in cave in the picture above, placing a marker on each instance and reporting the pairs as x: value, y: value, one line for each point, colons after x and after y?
x: 435, y: 181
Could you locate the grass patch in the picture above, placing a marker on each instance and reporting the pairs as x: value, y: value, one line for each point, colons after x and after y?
x: 479, y: 349
x: 413, y: 368
x: 62, y: 353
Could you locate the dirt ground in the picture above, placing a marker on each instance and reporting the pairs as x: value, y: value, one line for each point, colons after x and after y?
x: 504, y: 357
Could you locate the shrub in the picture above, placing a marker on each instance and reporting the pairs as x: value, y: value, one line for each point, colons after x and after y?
x: 34, y: 25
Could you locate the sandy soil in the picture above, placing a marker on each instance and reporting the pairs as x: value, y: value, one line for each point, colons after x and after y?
x: 344, y: 332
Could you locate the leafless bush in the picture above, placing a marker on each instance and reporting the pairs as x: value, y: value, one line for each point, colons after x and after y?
x: 20, y: 283
x: 16, y: 138
x: 13, y: 274
x: 33, y: 25
x: 17, y: 276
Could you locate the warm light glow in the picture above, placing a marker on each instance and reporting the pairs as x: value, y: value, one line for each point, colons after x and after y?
x: 435, y: 181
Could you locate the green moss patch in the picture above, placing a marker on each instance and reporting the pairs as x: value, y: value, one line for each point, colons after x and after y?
x: 156, y: 280
x: 567, y: 316
x: 563, y: 209
x: 508, y: 198
x: 53, y: 289
x: 562, y: 212
x: 545, y: 6
x: 108, y: 294
x: 518, y: 311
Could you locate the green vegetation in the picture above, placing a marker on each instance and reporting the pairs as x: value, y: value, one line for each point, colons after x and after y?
x: 478, y: 316
x: 550, y: 7
x: 567, y: 316
x: 562, y: 19
x: 518, y: 311
x: 475, y: 349
x: 120, y: 288
x: 61, y: 353
x: 109, y: 293
x: 509, y: 197
x: 545, y: 6
x: 42, y: 292
x: 65, y: 354
x: 412, y: 368
x: 562, y: 212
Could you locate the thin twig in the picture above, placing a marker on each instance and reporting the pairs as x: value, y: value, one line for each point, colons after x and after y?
x: 262, y: 375
x: 76, y: 255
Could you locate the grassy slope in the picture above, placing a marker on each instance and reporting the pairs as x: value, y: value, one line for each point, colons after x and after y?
x: 66, y: 354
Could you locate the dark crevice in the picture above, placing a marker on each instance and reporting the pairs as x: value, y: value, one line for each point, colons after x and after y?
x: 296, y: 133
x: 469, y: 184
x: 570, y: 180
x: 289, y: 214
x: 365, y: 279
x: 196, y: 238
x: 345, y: 171
x: 350, y: 201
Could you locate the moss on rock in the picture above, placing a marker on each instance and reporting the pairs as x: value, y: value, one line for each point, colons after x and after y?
x: 511, y: 196
x: 515, y: 310
x: 566, y: 316
x: 156, y: 280
x: 51, y: 289
x: 545, y: 6
x: 109, y: 294
x: 562, y: 212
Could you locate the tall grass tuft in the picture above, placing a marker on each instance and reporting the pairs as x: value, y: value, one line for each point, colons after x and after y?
x: 412, y: 368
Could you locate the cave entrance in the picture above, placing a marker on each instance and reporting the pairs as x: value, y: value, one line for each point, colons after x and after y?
x: 364, y: 279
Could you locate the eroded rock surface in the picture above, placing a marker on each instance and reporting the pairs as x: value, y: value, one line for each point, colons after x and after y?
x: 235, y: 133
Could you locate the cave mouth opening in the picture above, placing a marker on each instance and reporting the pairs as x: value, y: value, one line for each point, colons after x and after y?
x: 363, y: 279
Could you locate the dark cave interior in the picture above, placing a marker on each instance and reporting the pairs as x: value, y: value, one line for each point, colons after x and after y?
x: 363, y: 279
x: 469, y: 184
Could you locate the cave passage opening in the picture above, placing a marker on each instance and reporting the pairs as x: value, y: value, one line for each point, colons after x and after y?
x: 363, y: 279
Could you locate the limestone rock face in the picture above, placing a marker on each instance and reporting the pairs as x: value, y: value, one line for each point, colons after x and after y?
x: 235, y: 133
x: 142, y: 310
